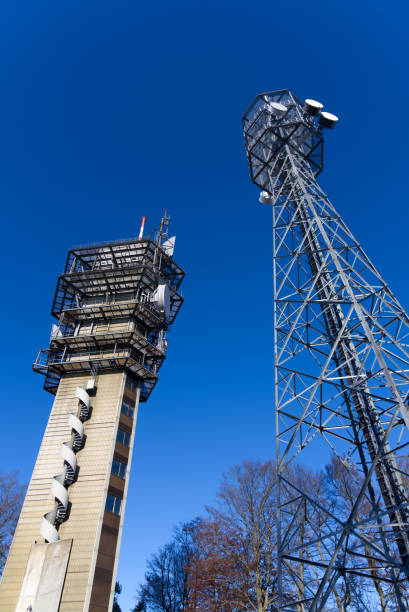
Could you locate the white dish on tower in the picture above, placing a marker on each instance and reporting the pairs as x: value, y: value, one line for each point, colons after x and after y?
x: 162, y: 299
x: 312, y: 107
x: 278, y: 109
x: 327, y: 120
x: 265, y: 198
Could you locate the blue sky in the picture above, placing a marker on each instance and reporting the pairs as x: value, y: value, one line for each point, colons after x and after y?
x: 114, y: 110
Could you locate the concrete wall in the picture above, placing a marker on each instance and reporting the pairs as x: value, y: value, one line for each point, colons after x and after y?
x: 44, y: 577
x: 87, y: 495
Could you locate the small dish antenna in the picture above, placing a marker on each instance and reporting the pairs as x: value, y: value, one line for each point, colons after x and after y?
x: 278, y: 109
x: 162, y: 299
x: 312, y: 107
x: 265, y: 198
x: 327, y: 120
x: 169, y: 246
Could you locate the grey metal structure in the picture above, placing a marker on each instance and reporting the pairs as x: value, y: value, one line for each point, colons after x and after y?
x: 341, y: 376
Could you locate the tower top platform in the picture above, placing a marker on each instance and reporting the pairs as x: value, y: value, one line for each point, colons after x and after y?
x: 124, y: 253
x: 277, y: 119
x: 114, y: 303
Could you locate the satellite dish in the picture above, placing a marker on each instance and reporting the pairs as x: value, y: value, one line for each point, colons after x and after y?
x: 169, y: 246
x: 278, y: 109
x: 162, y: 299
x: 265, y: 198
x: 327, y: 120
x: 312, y: 107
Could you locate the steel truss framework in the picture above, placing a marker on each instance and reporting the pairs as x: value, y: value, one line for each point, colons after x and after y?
x: 106, y: 319
x: 341, y: 378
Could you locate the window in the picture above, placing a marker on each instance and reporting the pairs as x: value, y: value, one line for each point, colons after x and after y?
x: 127, y: 408
x: 131, y: 384
x: 123, y: 436
x: 113, y: 504
x: 118, y: 468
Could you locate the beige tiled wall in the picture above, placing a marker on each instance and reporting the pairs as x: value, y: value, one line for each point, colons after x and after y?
x: 87, y: 495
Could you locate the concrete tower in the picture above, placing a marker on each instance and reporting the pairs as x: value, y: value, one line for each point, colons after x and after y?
x: 113, y: 303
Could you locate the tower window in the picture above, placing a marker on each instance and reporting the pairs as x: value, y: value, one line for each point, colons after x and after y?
x: 123, y: 436
x: 127, y: 408
x: 131, y: 384
x: 113, y: 504
x: 118, y: 468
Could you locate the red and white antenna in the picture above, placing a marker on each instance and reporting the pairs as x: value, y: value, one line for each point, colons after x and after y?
x: 142, y: 226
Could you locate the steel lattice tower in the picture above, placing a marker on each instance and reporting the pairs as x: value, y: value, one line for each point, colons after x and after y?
x: 341, y: 375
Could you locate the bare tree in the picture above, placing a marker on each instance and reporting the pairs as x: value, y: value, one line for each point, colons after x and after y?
x: 215, y: 577
x: 166, y: 586
x: 227, y: 562
x: 11, y: 500
x: 235, y: 566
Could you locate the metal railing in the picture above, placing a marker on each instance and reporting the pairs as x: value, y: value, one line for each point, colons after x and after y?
x: 47, y: 357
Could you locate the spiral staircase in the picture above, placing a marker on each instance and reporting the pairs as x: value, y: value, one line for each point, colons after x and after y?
x: 60, y: 483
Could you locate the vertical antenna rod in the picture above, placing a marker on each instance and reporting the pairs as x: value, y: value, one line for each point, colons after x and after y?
x: 141, y: 230
x: 163, y: 233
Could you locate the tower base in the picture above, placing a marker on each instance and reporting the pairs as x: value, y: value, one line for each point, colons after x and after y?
x: 44, y: 577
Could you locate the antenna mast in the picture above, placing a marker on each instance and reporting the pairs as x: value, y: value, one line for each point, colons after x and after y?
x: 163, y: 233
x: 341, y: 374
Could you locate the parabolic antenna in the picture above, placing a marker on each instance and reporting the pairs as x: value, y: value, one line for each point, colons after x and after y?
x: 278, y: 109
x: 162, y: 299
x: 312, y: 107
x: 169, y: 246
x: 327, y: 120
x: 265, y: 198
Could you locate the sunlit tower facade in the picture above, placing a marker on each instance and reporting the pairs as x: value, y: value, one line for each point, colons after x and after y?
x: 113, y: 305
x: 341, y: 361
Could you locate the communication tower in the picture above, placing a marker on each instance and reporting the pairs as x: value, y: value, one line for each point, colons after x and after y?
x: 113, y: 304
x: 341, y: 350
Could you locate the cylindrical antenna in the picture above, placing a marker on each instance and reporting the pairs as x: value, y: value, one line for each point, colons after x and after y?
x: 312, y: 107
x: 266, y: 198
x: 327, y: 120
x: 278, y: 109
x: 142, y: 226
